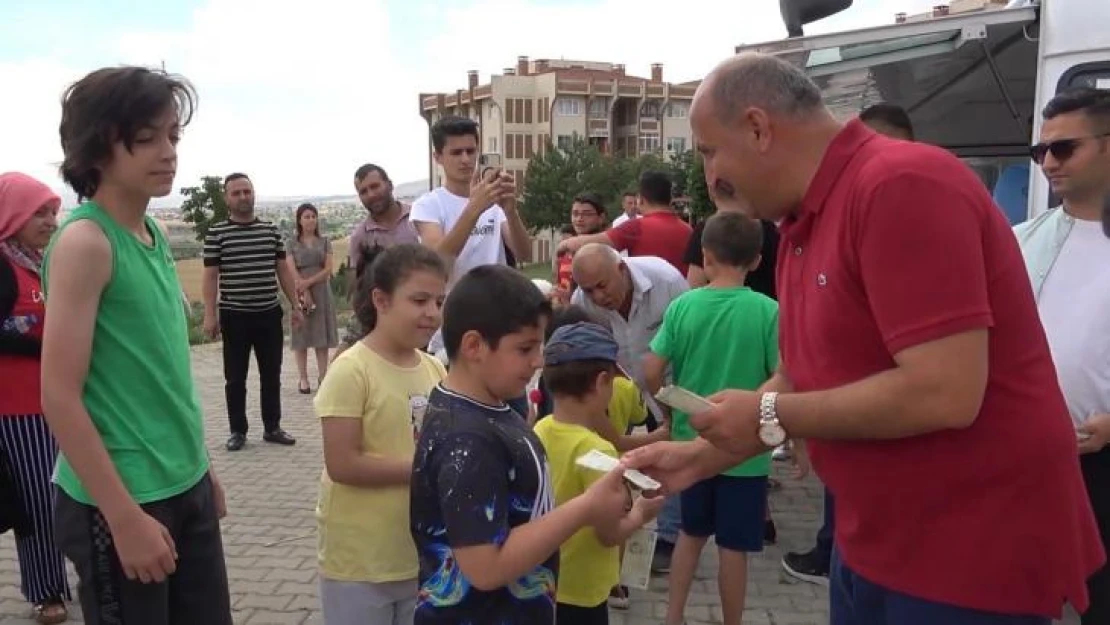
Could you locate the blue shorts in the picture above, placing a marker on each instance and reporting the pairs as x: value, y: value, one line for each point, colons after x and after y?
x: 732, y: 509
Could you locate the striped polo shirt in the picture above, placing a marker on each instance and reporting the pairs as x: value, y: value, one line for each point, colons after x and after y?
x: 247, y: 254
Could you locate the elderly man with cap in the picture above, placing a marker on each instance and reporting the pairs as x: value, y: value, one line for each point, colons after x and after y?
x: 631, y: 294
x: 913, y: 364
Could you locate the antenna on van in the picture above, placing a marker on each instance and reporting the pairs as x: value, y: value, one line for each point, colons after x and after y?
x: 798, y: 13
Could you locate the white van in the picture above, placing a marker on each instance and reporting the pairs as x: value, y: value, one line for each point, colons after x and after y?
x: 974, y: 83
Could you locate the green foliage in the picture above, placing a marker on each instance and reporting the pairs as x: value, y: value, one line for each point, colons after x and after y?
x: 339, y: 286
x: 204, y: 205
x: 195, y: 319
x: 701, y: 206
x: 554, y: 178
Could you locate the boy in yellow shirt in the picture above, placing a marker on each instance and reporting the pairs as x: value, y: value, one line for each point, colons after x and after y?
x: 580, y: 365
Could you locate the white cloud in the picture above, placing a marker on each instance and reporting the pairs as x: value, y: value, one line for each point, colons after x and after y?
x: 298, y: 94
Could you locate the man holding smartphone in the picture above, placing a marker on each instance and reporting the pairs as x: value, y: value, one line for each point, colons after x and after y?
x: 473, y: 216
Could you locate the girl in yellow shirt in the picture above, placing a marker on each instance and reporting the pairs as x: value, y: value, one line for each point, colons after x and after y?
x: 371, y: 406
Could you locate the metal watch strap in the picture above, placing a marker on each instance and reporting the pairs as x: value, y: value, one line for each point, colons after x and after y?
x: 768, y: 408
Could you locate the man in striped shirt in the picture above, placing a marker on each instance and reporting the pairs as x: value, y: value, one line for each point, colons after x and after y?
x: 244, y: 264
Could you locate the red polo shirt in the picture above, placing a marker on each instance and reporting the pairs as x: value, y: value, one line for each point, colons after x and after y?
x: 898, y: 244
x: 662, y: 234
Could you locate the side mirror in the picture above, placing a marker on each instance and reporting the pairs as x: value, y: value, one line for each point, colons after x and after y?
x: 798, y: 13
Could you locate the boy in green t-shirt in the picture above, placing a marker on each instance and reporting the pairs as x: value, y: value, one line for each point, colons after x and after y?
x: 721, y: 336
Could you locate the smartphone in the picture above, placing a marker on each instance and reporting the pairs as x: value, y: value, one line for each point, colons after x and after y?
x: 681, y: 399
x: 488, y: 161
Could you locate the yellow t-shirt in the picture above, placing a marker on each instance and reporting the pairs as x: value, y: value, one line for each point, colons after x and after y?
x: 364, y: 532
x: 626, y: 407
x: 587, y: 569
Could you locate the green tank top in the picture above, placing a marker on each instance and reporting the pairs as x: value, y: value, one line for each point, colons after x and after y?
x: 139, y: 391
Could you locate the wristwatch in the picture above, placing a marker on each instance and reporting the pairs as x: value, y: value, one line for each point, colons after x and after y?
x: 771, y: 432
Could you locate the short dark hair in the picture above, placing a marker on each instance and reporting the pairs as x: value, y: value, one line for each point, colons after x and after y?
x: 302, y: 209
x: 592, y: 199
x: 494, y: 301
x: 656, y: 188
x: 368, y: 169
x: 889, y: 114
x: 628, y: 194
x: 384, y: 270
x: 452, y: 126
x: 113, y: 104
x: 733, y: 239
x: 235, y: 176
x: 1095, y: 103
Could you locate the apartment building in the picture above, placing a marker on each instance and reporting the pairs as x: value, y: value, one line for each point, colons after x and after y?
x: 547, y: 102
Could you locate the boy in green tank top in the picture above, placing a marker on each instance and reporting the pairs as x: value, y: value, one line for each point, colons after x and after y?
x: 138, y: 506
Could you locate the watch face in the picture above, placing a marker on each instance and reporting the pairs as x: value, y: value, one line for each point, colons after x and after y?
x: 772, y: 434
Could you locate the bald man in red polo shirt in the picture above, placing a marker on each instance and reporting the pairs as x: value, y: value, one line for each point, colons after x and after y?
x: 913, y: 362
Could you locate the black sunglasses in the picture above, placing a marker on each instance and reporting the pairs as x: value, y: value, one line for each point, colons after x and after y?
x: 1061, y: 149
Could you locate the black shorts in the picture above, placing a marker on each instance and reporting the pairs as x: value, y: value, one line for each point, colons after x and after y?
x: 196, y: 593
x: 732, y: 509
x: 566, y: 614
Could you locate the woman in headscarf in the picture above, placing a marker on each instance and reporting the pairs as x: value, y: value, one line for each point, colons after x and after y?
x: 28, y: 217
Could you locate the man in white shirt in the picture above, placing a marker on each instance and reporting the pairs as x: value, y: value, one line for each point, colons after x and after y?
x: 469, y: 219
x: 1067, y: 253
x: 631, y: 294
x: 630, y: 207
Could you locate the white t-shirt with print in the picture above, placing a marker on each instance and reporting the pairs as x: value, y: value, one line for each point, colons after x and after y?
x: 484, y: 246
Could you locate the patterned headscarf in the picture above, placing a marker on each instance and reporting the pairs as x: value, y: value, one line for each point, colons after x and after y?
x: 21, y: 196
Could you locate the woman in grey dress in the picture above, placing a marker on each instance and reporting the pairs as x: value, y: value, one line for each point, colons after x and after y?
x: 310, y: 256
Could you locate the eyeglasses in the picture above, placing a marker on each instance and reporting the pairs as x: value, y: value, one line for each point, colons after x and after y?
x: 1061, y: 149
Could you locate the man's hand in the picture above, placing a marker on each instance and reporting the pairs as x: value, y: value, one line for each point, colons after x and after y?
x: 732, y: 424
x: 571, y: 245
x: 507, y: 200
x: 485, y: 191
x: 211, y: 325
x: 1098, y: 428
x: 219, y: 498
x: 799, y: 459
x: 677, y: 465
x: 145, y: 548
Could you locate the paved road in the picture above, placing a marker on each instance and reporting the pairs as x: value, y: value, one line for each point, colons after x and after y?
x: 270, y: 542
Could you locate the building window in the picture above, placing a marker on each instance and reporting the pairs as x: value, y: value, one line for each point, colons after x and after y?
x: 528, y: 153
x: 509, y: 146
x: 492, y: 145
x: 649, y: 143
x: 520, y: 106
x: 509, y: 119
x: 564, y: 142
x: 599, y: 108
x: 546, y: 110
x: 650, y: 109
x: 518, y: 149
x: 568, y: 106
x: 529, y: 104
x: 493, y: 113
x: 678, y: 109
x: 676, y: 145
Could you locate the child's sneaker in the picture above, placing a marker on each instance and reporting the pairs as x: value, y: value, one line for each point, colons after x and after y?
x: 618, y: 598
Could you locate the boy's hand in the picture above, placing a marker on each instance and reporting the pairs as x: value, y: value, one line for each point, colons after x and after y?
x: 646, y: 508
x: 609, y: 498
x: 145, y: 548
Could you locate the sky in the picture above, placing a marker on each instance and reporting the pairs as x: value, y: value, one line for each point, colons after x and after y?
x: 299, y: 94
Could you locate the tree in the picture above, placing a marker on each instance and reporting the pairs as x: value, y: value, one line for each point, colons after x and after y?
x: 555, y: 177
x: 701, y: 205
x: 204, y: 205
